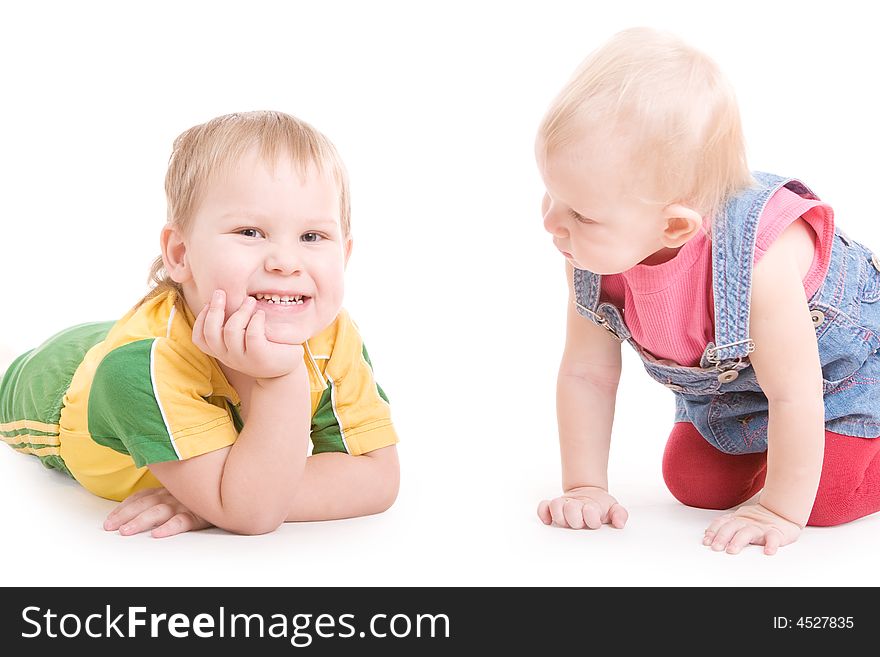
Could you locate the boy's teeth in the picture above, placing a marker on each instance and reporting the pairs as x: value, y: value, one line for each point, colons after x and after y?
x: 283, y: 299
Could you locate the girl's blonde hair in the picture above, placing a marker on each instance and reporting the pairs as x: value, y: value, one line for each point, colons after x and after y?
x: 669, y: 104
x: 205, y: 150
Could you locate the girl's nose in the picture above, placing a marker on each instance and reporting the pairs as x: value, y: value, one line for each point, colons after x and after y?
x: 553, y: 223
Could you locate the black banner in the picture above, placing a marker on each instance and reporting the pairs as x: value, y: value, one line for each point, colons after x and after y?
x: 429, y: 620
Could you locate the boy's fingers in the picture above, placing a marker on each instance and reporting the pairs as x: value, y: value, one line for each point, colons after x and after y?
x: 176, y: 524
x: 131, y: 507
x: 155, y: 515
x: 198, y: 332
x: 255, y: 336
x: 132, y: 498
x: 117, y: 518
x: 137, y: 508
x: 236, y: 325
x: 214, y: 323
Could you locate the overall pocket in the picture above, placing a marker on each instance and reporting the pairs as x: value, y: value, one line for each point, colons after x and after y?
x: 844, y: 345
x: 869, y: 276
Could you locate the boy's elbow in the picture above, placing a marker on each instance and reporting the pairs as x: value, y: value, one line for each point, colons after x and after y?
x: 252, y: 524
x: 253, y: 528
x: 388, y: 494
x: 388, y: 475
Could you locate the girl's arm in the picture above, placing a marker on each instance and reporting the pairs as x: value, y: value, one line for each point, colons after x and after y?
x: 787, y: 366
x: 586, y: 392
x: 585, y: 398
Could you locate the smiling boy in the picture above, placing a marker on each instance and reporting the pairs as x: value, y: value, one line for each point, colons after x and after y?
x: 213, y: 385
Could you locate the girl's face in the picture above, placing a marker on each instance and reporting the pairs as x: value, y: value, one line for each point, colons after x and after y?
x: 596, y: 219
x: 268, y: 232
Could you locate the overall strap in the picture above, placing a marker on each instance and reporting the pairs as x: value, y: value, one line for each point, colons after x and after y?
x: 587, y: 287
x: 587, y: 291
x: 734, y: 232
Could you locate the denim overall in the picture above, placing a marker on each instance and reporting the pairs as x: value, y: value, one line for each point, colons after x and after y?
x: 721, y: 397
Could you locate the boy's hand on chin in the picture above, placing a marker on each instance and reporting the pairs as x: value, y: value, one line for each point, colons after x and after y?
x: 241, y: 342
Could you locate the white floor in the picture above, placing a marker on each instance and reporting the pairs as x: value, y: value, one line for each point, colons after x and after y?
x: 454, y: 283
x: 465, y: 516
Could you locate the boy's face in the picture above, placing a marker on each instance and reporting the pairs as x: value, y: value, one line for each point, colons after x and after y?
x: 597, y: 221
x: 261, y: 231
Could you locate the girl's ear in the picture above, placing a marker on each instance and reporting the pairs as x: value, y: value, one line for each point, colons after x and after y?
x: 682, y: 223
x: 174, y: 254
x: 347, y: 248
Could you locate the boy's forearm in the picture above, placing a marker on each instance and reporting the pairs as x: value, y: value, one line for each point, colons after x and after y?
x: 336, y: 485
x: 265, y: 464
x: 796, y: 446
x: 585, y: 413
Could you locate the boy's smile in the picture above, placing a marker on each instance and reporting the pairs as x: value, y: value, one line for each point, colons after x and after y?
x: 268, y: 231
x: 281, y: 304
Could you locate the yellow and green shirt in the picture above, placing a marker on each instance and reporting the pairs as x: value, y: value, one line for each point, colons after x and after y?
x: 142, y: 392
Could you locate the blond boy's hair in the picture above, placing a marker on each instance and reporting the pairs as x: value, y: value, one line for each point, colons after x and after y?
x: 666, y: 102
x: 206, y: 150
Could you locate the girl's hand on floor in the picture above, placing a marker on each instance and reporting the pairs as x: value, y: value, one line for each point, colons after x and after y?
x: 751, y: 524
x: 156, y: 509
x: 585, y: 507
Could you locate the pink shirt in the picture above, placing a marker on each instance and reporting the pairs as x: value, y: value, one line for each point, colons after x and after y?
x: 669, y: 308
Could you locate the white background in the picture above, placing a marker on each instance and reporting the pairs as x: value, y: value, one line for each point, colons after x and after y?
x: 457, y: 289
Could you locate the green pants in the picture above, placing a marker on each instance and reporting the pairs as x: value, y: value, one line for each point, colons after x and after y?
x: 32, y: 391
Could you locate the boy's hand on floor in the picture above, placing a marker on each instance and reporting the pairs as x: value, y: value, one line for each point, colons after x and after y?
x: 155, y: 509
x: 750, y: 524
x: 585, y: 507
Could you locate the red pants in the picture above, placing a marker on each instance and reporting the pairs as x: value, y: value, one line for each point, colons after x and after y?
x: 699, y: 475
